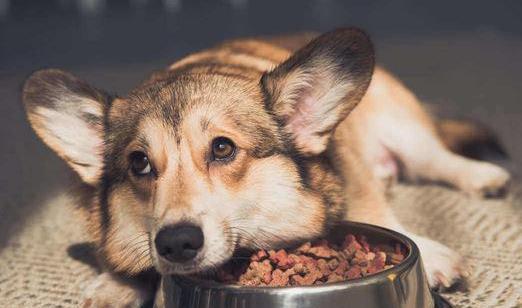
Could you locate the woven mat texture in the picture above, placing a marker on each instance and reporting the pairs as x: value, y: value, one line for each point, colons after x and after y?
x: 36, y: 270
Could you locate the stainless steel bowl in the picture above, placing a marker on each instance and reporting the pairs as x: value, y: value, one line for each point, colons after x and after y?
x: 404, y: 285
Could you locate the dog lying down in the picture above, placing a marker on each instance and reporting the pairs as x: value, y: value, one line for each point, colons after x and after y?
x: 249, y: 144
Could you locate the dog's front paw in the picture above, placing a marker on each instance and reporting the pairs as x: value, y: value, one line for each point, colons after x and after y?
x: 109, y: 291
x: 487, y: 180
x: 444, y: 267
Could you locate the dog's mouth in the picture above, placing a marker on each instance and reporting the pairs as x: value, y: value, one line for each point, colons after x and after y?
x: 204, y: 264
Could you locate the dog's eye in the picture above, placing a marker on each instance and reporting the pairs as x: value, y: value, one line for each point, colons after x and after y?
x: 223, y: 148
x: 140, y: 164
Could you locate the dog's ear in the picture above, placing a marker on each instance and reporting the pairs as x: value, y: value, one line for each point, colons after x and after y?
x: 67, y: 114
x: 318, y: 86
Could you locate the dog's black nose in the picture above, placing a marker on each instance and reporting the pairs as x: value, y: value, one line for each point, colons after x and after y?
x: 179, y: 243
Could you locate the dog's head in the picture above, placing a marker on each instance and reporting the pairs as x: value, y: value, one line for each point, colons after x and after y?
x: 191, y: 167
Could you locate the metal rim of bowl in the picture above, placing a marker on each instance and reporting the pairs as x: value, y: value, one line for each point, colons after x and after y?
x: 411, y: 258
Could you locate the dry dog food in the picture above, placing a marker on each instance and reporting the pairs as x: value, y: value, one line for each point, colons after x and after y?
x: 313, y: 263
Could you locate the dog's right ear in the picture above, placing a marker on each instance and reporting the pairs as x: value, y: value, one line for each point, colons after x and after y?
x: 319, y: 85
x: 67, y: 114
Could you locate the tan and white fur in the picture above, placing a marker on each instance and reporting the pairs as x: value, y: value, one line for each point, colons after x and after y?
x: 318, y: 134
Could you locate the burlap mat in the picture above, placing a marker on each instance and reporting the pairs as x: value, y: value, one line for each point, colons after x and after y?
x: 37, y: 271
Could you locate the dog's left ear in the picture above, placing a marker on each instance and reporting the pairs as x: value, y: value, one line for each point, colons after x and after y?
x: 318, y: 86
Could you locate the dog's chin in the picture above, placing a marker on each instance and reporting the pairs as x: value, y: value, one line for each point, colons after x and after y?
x: 174, y: 269
x: 193, y: 268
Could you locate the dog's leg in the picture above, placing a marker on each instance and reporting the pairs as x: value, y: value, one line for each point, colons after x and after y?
x: 477, y: 178
x: 424, y: 156
x: 405, y: 129
x: 367, y: 203
x: 443, y: 265
x: 109, y: 290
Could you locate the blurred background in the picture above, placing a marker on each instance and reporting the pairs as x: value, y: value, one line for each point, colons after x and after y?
x: 462, y: 57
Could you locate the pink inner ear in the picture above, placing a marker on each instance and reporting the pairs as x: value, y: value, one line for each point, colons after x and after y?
x: 304, y: 124
x: 300, y: 122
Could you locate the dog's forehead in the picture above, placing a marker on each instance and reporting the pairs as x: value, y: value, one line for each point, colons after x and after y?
x: 198, y: 102
x: 187, y: 95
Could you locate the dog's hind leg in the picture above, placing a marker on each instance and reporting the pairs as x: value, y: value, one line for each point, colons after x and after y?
x: 405, y: 128
x: 476, y: 178
x: 424, y: 156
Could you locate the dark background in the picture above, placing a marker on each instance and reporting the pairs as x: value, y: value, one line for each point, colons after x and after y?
x: 463, y: 57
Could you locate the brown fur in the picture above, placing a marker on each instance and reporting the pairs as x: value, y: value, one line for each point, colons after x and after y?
x: 306, y: 156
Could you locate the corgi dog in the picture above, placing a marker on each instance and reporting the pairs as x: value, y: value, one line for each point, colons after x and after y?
x: 250, y: 144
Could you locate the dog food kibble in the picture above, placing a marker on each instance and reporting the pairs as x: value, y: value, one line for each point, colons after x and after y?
x: 313, y: 263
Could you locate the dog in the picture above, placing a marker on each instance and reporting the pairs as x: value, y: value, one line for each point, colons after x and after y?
x: 251, y: 144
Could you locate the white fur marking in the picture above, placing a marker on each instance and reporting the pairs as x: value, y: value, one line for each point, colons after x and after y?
x: 78, y: 142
